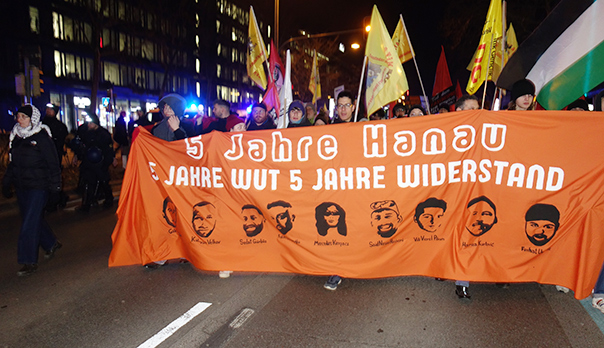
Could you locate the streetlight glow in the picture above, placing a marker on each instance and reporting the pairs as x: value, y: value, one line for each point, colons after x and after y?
x: 368, y: 28
x: 355, y: 46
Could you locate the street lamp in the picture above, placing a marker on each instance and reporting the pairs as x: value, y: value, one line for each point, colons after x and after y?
x: 355, y: 46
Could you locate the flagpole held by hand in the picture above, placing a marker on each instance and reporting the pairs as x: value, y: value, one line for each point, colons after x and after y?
x: 356, y: 109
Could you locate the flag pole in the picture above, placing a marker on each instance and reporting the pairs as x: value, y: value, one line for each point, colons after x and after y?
x: 415, y: 62
x: 486, y: 80
x: 504, y: 44
x: 356, y: 108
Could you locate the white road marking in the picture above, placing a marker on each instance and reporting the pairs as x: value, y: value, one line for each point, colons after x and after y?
x: 175, y: 325
x: 245, y: 314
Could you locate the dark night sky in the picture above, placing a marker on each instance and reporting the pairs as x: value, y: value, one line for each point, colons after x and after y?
x: 431, y: 23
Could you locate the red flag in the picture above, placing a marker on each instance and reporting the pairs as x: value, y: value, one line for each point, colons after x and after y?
x: 271, y: 97
x: 458, y: 92
x: 442, y: 80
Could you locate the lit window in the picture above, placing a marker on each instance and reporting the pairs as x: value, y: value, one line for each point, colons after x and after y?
x: 218, y: 70
x: 197, y: 65
x: 217, y: 27
x: 196, y: 20
x: 58, y: 64
x: 197, y: 40
x: 219, y: 49
x: 234, y: 35
x: 34, y: 21
x: 198, y: 89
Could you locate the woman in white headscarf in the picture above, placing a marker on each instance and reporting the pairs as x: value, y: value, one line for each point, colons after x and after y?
x: 34, y: 171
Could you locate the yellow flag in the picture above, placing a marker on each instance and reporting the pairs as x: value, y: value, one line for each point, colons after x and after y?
x: 256, y: 52
x: 401, y: 42
x: 386, y: 80
x: 512, y: 45
x: 492, y: 32
x: 315, y: 82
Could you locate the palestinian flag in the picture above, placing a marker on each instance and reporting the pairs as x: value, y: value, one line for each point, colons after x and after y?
x: 564, y: 56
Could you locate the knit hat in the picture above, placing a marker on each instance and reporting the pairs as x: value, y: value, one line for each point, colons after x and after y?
x: 259, y: 105
x: 176, y: 102
x: 398, y: 106
x: 296, y: 104
x: 579, y: 103
x: 94, y: 118
x: 522, y: 87
x: 232, y: 121
x: 543, y: 212
x: 26, y: 109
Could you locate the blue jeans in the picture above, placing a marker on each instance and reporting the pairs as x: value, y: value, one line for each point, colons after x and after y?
x: 35, y: 231
x: 599, y: 288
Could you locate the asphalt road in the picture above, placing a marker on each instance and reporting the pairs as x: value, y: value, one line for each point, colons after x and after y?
x: 75, y: 300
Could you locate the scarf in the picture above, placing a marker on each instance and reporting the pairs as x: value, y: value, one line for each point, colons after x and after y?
x: 35, y: 126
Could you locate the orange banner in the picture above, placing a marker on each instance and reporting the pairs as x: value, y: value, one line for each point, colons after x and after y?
x: 472, y: 195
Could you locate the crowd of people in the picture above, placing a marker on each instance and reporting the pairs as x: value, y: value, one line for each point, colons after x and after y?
x: 37, y: 145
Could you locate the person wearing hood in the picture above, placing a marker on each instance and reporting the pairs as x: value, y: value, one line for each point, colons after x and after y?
x: 172, y: 108
x: 297, y: 115
x: 34, y: 171
x: 96, y: 158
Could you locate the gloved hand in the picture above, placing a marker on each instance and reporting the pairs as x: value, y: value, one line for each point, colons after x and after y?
x: 6, y: 191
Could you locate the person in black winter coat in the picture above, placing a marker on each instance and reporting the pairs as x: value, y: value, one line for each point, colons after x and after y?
x: 34, y: 172
x: 96, y: 158
x: 59, y: 133
x: 297, y: 115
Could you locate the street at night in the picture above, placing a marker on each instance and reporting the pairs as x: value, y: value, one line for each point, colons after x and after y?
x: 75, y: 300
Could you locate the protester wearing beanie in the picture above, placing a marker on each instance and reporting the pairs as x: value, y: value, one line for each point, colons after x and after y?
x: 33, y: 171
x: 297, y: 115
x: 523, y: 94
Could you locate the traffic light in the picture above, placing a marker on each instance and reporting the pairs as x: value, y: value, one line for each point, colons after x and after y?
x: 36, y: 82
x: 20, y: 84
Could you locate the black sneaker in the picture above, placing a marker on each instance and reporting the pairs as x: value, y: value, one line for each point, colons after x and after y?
x: 51, y: 253
x: 27, y: 270
x: 462, y: 292
x: 333, y: 282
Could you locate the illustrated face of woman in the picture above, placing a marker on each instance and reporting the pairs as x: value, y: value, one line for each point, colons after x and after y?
x: 23, y: 119
x: 332, y: 216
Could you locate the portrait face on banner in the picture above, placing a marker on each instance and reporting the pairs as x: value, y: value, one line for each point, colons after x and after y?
x: 253, y: 220
x: 385, y: 218
x: 330, y: 217
x: 428, y: 214
x: 542, y: 223
x: 204, y: 219
x: 481, y: 216
x: 281, y: 216
x: 169, y: 212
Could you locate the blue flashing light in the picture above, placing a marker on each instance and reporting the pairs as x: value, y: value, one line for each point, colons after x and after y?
x: 249, y: 109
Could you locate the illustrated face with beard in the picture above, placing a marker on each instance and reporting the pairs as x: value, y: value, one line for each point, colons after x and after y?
x: 386, y: 221
x: 283, y: 219
x: 253, y: 222
x: 481, y: 218
x: 539, y: 232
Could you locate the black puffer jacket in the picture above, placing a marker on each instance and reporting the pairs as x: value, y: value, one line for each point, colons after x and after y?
x: 34, y: 164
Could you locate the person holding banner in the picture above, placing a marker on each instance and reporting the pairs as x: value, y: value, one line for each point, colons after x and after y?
x: 597, y: 300
x: 172, y: 108
x: 297, y: 115
x: 345, y: 107
x: 467, y: 102
x: 259, y: 118
x: 417, y: 110
x: 523, y: 95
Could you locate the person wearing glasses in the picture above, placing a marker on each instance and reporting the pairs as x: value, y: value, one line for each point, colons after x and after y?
x: 345, y: 107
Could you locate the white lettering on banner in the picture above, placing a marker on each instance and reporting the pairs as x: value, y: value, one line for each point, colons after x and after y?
x: 303, y: 148
x: 431, y: 140
x: 242, y: 179
x: 328, y: 147
x: 464, y: 138
x: 328, y: 179
x: 153, y: 173
x: 236, y: 151
x: 436, y: 174
x: 295, y: 179
x: 404, y: 144
x: 194, y: 147
x: 497, y: 136
x: 257, y: 150
x: 191, y: 176
x: 374, y: 140
x: 282, y: 148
